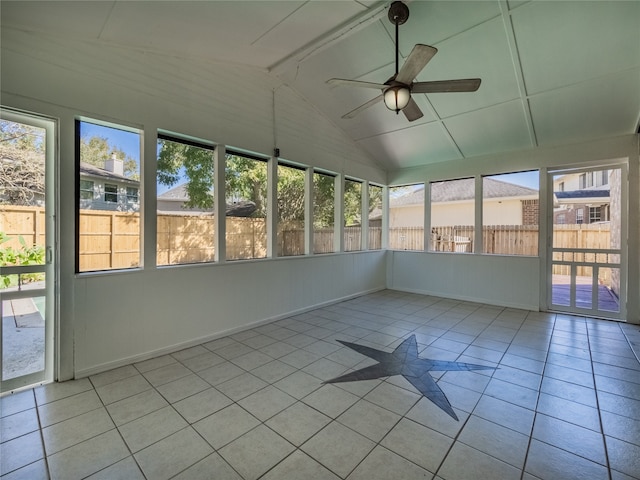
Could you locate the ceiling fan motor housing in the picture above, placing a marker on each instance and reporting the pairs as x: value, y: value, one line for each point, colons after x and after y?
x: 398, y: 13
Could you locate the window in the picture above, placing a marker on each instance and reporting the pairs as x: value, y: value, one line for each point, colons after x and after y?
x: 594, y: 214
x: 323, y: 212
x: 579, y: 215
x: 291, y: 228
x: 246, y: 192
x: 110, y: 193
x: 561, y: 187
x: 352, y: 215
x: 375, y: 217
x: 86, y: 190
x: 132, y: 195
x: 406, y: 217
x: 605, y: 177
x: 107, y: 224
x: 452, y: 215
x: 185, y: 222
x: 582, y: 181
x: 510, y: 213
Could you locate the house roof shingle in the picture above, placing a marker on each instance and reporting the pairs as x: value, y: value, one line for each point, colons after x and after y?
x: 463, y: 190
x: 92, y: 170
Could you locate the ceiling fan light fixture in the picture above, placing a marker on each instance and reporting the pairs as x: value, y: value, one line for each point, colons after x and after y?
x: 397, y: 97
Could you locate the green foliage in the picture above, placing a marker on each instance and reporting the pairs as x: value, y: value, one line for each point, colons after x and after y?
x: 27, y: 255
x: 246, y: 179
x: 196, y: 163
x: 21, y: 136
x: 290, y: 194
x: 97, y: 150
x: 323, y: 200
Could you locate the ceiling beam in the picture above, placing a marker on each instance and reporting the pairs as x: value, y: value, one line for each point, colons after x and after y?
x: 345, y: 29
x: 517, y: 67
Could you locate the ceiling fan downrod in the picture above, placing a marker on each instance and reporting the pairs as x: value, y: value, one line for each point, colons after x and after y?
x: 398, y: 14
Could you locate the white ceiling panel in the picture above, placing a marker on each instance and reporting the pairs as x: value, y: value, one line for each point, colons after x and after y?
x: 306, y: 23
x: 200, y: 29
x: 552, y: 72
x: 500, y: 128
x: 403, y: 148
x: 592, y: 109
x: 481, y: 52
x: 71, y: 18
x: 562, y: 43
x: 433, y: 22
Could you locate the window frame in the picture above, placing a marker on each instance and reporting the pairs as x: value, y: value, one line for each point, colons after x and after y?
x: 89, y: 191
x: 109, y: 194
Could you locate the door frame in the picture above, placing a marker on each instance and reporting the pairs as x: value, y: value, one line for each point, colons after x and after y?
x: 49, y: 374
x: 623, y: 251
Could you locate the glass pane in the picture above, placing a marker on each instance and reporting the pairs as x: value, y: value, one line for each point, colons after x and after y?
x: 587, y: 211
x: 352, y: 216
x: 110, y: 217
x: 561, y: 285
x: 406, y: 217
x: 290, y: 211
x: 609, y: 289
x: 452, y: 215
x: 323, y: 213
x: 584, y: 287
x: 510, y: 213
x: 246, y: 191
x: 375, y: 217
x: 22, y: 242
x: 23, y: 340
x: 185, y: 222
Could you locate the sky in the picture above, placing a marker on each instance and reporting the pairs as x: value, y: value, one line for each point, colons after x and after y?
x: 129, y: 142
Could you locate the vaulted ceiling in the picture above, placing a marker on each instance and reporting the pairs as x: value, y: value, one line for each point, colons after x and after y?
x: 553, y: 72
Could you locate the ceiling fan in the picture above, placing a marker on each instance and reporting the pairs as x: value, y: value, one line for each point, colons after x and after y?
x: 396, y: 92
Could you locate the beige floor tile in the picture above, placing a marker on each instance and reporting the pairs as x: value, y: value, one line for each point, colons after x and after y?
x: 172, y: 455
x: 298, y: 423
x: 338, y: 448
x: 262, y: 445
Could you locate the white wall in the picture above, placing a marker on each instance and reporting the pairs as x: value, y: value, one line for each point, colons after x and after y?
x: 113, y: 318
x: 125, y: 317
x: 512, y: 280
x: 496, y: 280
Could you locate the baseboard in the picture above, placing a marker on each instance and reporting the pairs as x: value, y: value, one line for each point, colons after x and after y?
x: 86, y: 372
x: 465, y: 298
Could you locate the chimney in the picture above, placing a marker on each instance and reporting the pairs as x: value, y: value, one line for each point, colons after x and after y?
x: 114, y: 165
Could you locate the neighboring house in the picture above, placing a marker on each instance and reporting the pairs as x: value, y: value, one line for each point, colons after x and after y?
x: 582, y: 198
x: 452, y: 203
x: 108, y: 188
x: 174, y: 200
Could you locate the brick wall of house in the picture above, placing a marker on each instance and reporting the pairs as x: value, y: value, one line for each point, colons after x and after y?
x: 530, y: 212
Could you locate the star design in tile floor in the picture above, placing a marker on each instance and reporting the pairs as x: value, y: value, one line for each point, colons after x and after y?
x: 404, y: 361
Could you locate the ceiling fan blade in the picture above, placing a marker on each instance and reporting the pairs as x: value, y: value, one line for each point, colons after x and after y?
x: 356, y: 83
x: 416, y: 61
x: 363, y: 107
x: 463, y: 85
x: 412, y: 111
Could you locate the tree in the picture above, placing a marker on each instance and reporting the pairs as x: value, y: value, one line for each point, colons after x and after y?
x: 22, y: 163
x: 97, y: 150
x: 177, y: 159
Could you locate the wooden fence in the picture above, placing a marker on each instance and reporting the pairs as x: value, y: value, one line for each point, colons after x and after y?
x: 110, y: 240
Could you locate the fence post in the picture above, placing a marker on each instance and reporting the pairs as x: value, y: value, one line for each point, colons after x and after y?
x: 112, y: 228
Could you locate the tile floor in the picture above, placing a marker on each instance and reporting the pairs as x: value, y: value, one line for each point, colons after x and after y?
x: 563, y: 403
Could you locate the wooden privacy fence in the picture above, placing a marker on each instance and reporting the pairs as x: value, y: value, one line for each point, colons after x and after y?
x: 111, y: 240
x: 25, y: 222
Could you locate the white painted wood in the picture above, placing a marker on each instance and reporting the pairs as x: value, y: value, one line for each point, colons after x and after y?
x: 492, y: 279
